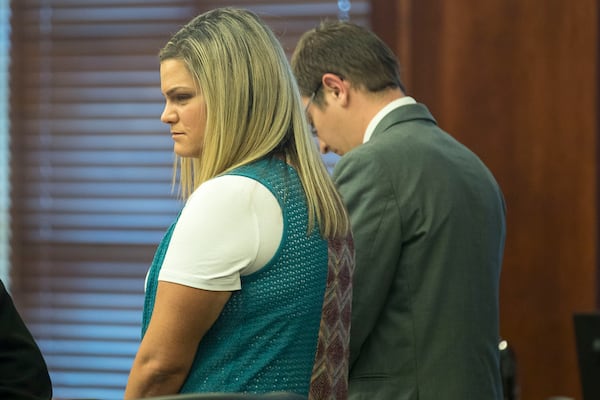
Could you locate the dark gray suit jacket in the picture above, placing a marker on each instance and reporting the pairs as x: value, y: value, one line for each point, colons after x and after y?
x: 429, y: 225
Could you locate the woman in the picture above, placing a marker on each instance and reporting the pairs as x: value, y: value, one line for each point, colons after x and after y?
x: 250, y: 289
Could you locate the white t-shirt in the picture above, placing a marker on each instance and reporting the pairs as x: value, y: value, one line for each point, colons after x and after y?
x: 230, y: 226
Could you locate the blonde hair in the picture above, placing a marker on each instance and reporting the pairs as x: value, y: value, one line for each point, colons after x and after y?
x: 253, y: 109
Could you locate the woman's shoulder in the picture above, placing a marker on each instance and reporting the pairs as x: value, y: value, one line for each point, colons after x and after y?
x: 228, y: 190
x: 226, y: 184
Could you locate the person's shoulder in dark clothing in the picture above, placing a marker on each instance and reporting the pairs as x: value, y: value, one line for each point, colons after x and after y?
x: 23, y: 370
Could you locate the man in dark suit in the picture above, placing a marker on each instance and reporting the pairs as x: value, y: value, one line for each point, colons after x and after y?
x: 428, y: 220
x: 23, y: 371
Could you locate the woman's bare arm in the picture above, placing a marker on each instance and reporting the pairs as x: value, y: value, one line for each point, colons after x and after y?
x: 181, y: 317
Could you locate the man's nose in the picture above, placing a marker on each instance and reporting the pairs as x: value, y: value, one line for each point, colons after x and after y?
x: 323, y: 147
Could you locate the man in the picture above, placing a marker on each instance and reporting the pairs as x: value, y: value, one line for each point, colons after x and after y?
x: 23, y: 371
x: 429, y: 225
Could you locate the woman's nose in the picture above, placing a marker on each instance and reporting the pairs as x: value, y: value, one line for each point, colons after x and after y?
x: 168, y: 116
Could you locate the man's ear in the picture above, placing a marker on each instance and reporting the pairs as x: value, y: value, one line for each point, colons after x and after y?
x: 336, y: 86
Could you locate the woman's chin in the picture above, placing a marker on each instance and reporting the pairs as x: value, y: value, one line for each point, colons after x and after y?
x: 185, y: 152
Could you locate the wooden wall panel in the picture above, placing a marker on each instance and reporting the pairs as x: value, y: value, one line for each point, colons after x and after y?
x: 517, y: 82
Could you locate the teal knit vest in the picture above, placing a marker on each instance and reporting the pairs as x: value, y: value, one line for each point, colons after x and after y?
x: 266, y: 336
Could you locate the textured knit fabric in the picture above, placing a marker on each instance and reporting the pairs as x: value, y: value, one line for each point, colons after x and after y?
x: 330, y: 373
x: 266, y: 336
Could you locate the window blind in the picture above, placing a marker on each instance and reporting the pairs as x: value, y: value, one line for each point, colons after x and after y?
x: 91, y: 170
x: 4, y: 184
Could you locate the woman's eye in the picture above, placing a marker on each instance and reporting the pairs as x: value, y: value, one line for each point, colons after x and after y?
x: 183, y: 97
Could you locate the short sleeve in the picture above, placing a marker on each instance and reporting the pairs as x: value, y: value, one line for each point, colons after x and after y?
x: 230, y: 225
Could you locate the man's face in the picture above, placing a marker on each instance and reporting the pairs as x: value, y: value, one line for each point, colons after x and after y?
x: 327, y: 126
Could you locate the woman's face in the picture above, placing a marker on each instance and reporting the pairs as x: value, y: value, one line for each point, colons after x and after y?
x: 185, y: 108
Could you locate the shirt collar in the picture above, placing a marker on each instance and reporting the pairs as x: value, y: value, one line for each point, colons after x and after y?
x: 385, y: 111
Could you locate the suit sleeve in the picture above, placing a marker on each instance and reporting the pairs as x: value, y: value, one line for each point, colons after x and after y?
x: 368, y: 194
